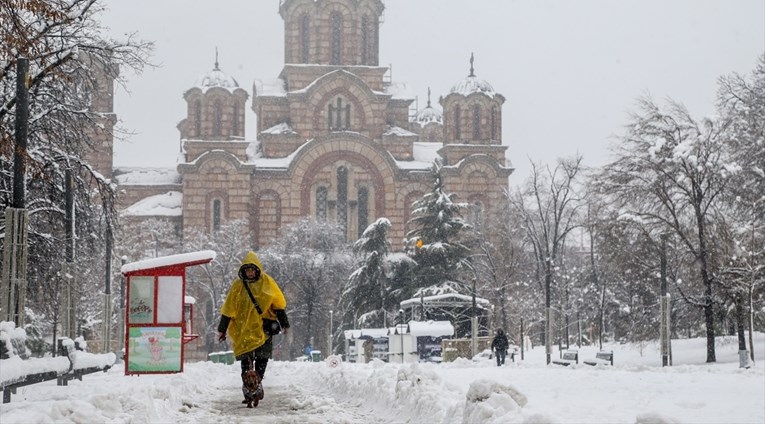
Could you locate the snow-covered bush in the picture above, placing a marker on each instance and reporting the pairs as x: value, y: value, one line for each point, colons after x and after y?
x: 12, y: 341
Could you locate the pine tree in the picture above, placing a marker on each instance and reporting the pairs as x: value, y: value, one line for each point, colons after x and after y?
x: 367, y: 297
x: 441, y: 255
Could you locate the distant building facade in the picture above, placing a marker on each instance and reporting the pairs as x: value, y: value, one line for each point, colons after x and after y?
x: 337, y: 140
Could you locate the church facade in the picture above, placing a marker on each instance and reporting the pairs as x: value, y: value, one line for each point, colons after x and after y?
x: 337, y: 140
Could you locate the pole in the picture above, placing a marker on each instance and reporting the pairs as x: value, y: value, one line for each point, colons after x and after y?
x: 68, y: 321
x: 474, y: 324
x: 107, y: 336
x: 21, y: 128
x: 522, y: 340
x: 121, y: 319
x: 665, y: 322
x: 14, y: 271
x: 331, y: 332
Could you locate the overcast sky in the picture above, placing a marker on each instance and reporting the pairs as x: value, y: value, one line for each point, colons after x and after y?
x: 570, y: 70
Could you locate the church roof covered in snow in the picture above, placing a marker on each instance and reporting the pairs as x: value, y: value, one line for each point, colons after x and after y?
x: 429, y: 114
x: 472, y: 84
x: 168, y: 204
x: 216, y: 78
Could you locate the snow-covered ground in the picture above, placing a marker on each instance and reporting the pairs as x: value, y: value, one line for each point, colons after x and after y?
x: 635, y: 390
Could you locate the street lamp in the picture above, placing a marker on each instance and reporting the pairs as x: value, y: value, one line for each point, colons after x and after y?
x: 331, y: 332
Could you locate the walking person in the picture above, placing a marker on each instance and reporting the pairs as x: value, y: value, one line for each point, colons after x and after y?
x: 499, y: 345
x: 253, y: 312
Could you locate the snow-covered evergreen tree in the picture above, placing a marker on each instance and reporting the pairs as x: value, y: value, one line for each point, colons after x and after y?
x: 366, y: 297
x: 437, y: 241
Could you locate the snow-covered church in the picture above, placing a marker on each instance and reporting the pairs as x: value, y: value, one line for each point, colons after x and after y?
x: 336, y: 139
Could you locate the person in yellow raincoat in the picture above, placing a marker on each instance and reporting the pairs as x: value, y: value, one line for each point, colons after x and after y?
x: 253, y: 311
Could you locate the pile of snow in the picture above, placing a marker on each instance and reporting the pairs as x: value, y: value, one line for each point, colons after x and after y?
x: 635, y: 390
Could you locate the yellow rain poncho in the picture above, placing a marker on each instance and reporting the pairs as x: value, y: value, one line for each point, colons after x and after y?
x: 246, y: 327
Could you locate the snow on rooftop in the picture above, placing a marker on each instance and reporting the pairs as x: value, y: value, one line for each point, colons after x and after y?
x: 444, y: 298
x: 270, y: 87
x: 400, y: 132
x: 146, y: 176
x: 168, y: 204
x: 202, y: 256
x: 473, y: 84
x: 424, y: 154
x: 216, y: 78
x: 400, y: 90
x: 429, y: 115
x: 283, y: 128
x: 431, y: 328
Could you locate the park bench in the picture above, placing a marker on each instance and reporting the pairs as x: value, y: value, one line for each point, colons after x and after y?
x: 567, y: 358
x: 602, y: 358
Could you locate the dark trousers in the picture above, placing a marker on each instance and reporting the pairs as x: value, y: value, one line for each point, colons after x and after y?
x: 500, y: 356
x: 259, y: 358
x: 259, y: 363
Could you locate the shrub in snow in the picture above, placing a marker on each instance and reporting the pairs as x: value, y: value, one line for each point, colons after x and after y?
x: 490, y: 401
x: 12, y: 341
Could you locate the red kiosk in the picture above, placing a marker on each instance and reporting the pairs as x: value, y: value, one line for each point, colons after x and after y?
x: 158, y: 313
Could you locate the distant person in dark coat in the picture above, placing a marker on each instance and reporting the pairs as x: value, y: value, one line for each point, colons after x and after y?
x: 499, y: 346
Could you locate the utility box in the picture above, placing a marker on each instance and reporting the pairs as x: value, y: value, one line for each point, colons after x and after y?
x: 158, y: 312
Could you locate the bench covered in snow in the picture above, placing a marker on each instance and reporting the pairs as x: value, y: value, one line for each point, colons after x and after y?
x: 602, y: 358
x: 567, y: 358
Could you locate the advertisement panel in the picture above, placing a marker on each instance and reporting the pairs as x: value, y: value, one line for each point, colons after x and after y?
x: 154, y: 349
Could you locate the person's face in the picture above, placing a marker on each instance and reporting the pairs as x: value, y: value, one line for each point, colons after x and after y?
x: 251, y: 273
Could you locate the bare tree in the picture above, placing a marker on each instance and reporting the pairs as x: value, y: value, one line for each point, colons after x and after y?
x: 670, y: 172
x: 549, y: 204
x: 310, y: 261
x: 71, y: 61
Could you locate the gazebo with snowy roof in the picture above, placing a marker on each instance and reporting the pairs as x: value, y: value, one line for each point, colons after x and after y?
x: 158, y: 312
x: 453, y: 307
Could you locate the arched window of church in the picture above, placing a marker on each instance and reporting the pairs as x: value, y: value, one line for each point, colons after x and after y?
x: 337, y: 35
x: 305, y: 38
x: 477, y: 215
x: 235, y: 121
x: 365, y: 40
x: 217, y: 116
x: 363, y: 196
x: 342, y: 198
x: 457, y: 124
x: 216, y: 215
x: 198, y: 118
x: 321, y: 203
x: 477, y: 122
x: 339, y: 115
x: 494, y: 123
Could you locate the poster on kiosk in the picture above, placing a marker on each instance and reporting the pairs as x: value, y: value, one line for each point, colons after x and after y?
x: 158, y: 316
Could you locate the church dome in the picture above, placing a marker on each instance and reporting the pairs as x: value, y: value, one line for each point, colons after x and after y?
x: 472, y: 84
x: 216, y: 78
x: 428, y: 115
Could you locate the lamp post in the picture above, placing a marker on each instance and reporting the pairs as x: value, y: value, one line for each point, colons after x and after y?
x: 400, y: 329
x: 331, y: 332
x: 474, y: 323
